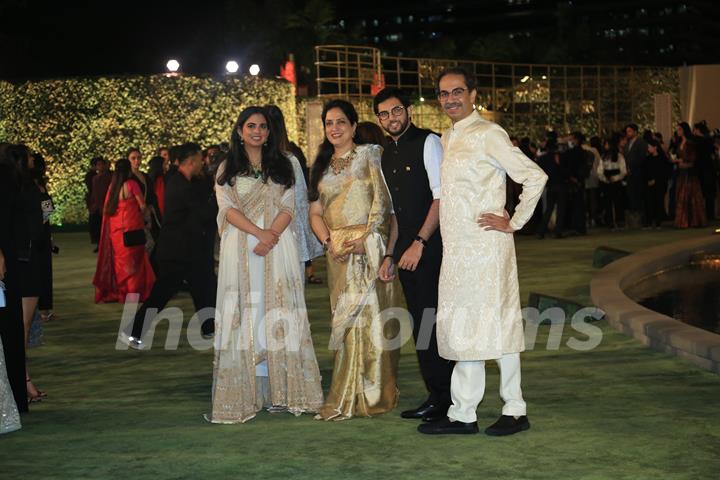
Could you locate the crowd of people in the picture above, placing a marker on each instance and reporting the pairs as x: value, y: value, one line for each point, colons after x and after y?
x: 629, y: 180
x: 239, y: 224
x: 26, y: 282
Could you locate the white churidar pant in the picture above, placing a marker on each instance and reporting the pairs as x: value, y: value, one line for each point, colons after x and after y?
x: 467, y: 388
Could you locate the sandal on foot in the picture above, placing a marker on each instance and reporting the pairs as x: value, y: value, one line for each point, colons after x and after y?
x: 34, y: 398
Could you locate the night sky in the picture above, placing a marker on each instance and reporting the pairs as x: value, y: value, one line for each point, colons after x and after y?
x: 56, y: 39
x: 115, y: 37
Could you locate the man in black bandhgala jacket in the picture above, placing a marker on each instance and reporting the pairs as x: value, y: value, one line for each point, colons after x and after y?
x: 411, y: 166
x: 183, y: 250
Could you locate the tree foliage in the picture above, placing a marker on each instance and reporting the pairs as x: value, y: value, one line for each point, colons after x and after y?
x: 71, y: 121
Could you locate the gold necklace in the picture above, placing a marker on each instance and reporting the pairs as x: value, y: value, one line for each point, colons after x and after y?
x: 256, y: 170
x: 338, y: 164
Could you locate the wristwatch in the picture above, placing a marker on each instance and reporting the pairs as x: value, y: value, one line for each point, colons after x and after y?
x: 421, y: 240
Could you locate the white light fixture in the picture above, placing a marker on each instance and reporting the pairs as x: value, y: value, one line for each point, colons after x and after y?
x: 254, y: 69
x: 544, y: 77
x: 172, y: 65
x: 232, y: 66
x: 524, y: 79
x: 422, y: 99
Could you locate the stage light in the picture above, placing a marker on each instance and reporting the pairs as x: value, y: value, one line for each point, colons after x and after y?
x: 524, y: 79
x: 422, y: 99
x: 232, y: 66
x: 173, y: 65
x: 254, y: 69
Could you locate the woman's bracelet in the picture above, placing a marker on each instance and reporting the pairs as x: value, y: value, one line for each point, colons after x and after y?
x: 326, y: 242
x: 389, y: 255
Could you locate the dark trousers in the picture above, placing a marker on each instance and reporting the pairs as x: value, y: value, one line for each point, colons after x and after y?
x: 12, y: 334
x: 95, y: 224
x: 614, y: 212
x: 45, y: 301
x: 421, y: 292
x: 655, y: 205
x: 201, y: 281
x: 636, y: 191
x: 708, y: 184
x: 556, y: 196
x: 592, y: 198
x: 636, y: 194
x: 576, y: 203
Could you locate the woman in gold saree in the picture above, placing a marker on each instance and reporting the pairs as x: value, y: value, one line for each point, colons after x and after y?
x: 350, y: 214
x: 264, y: 356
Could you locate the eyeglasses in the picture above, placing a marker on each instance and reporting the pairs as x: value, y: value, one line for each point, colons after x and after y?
x: 396, y: 111
x: 456, y: 92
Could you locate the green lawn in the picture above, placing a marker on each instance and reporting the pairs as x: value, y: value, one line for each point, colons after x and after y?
x: 620, y: 411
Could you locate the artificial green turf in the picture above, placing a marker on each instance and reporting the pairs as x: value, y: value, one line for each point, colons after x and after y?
x: 620, y: 411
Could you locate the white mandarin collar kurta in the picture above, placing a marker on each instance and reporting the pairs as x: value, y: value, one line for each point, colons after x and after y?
x: 479, y: 303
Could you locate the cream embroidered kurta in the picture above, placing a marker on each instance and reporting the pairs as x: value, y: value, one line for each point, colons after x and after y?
x: 479, y: 302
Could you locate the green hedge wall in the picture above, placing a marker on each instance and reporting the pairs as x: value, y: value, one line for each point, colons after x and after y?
x: 70, y: 121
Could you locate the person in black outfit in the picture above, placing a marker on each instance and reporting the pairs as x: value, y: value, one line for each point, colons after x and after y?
x: 88, y: 180
x: 557, y: 188
x: 657, y: 172
x: 411, y: 166
x: 705, y: 167
x: 11, y: 320
x: 46, y: 248
x: 635, y: 152
x: 578, y: 163
x: 31, y: 246
x: 182, y: 246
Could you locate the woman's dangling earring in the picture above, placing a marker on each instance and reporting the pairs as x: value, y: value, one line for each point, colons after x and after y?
x: 241, y: 141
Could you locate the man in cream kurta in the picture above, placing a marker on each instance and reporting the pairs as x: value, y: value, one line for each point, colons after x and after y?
x: 479, y: 314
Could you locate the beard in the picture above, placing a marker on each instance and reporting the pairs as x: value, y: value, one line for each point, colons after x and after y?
x: 396, y: 127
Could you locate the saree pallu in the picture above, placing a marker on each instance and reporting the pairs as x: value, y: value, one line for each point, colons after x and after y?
x: 122, y: 270
x: 365, y: 367
x: 689, y: 201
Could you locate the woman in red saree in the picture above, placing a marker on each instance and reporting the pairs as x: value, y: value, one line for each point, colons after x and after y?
x: 122, y: 269
x: 156, y: 175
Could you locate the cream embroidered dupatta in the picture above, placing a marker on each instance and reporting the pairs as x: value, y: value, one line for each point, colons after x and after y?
x: 293, y: 375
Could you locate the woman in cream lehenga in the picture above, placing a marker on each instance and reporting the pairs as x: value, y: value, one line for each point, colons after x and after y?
x: 264, y: 356
x: 350, y: 213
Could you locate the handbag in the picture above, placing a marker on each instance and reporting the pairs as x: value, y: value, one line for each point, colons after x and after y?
x: 134, y: 238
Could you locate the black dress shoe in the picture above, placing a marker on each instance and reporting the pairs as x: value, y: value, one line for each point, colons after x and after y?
x: 440, y: 413
x: 207, y: 329
x: 508, y: 425
x: 421, y: 411
x: 447, y: 426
